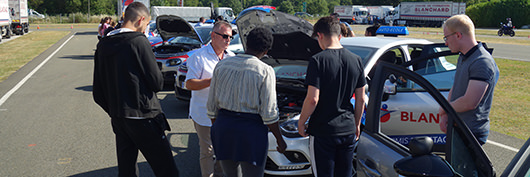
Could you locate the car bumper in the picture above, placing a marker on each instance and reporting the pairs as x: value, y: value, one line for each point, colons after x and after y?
x: 295, y: 160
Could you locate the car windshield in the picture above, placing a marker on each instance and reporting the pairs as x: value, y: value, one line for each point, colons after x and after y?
x: 364, y: 52
x: 204, y: 34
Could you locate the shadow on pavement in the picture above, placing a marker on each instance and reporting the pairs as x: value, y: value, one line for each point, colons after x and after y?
x: 79, y: 57
x: 170, y: 105
x: 87, y: 88
x: 187, y: 159
x: 95, y: 33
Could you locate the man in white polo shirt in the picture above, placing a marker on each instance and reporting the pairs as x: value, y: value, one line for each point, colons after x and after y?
x: 200, y: 69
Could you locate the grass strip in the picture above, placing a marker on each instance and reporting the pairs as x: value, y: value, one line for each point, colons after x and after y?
x: 510, y: 114
x: 16, y: 53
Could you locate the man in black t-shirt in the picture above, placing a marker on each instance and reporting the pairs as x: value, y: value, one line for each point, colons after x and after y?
x: 333, y: 76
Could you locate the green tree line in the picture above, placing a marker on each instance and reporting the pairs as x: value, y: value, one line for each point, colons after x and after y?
x: 485, y: 13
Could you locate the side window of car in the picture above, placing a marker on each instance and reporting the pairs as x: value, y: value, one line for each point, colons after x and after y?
x: 439, y: 71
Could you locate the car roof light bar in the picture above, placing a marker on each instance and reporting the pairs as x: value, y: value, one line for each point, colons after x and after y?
x: 392, y: 30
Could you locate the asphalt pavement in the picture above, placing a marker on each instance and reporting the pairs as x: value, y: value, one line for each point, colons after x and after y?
x: 50, y: 125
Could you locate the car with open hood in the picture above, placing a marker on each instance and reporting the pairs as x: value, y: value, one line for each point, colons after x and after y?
x: 182, y: 38
x: 291, y: 49
x: 406, y: 116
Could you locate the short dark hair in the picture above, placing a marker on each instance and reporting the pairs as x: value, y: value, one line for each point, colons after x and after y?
x: 328, y: 26
x: 219, y: 18
x: 135, y: 10
x: 259, y: 40
x: 372, y: 29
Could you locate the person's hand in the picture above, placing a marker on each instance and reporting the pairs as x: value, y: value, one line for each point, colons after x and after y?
x: 281, y: 145
x: 357, y: 133
x: 302, y: 127
x: 443, y: 120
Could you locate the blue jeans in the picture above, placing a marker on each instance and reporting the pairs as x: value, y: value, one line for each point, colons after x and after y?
x: 481, y: 137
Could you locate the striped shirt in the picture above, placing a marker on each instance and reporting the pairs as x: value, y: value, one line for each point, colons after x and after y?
x: 243, y: 84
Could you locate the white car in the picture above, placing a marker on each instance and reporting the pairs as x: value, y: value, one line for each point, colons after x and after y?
x: 406, y: 115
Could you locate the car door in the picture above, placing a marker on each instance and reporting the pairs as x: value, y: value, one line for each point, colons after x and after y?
x: 520, y: 164
x: 410, y: 114
x: 377, y: 151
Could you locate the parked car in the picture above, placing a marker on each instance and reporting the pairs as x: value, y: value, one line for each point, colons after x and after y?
x: 182, y: 40
x: 169, y: 55
x: 405, y: 116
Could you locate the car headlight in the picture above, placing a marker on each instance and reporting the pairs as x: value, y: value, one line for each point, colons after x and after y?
x: 174, y: 62
x: 289, y: 128
x: 183, y: 68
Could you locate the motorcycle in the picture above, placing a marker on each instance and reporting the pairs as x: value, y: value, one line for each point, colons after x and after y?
x: 506, y: 30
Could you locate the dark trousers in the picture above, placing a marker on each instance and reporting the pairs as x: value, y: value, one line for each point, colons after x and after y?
x: 146, y: 135
x: 230, y: 169
x: 332, y: 156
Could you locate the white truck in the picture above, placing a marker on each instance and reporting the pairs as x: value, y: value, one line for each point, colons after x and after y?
x: 122, y: 5
x: 383, y: 13
x: 5, y: 20
x: 192, y: 14
x: 352, y: 14
x: 430, y: 14
x: 19, y: 16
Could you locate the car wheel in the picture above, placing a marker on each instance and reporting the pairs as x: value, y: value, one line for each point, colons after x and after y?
x: 500, y: 33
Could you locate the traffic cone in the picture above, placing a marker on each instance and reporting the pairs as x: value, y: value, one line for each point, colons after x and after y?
x: 38, y: 27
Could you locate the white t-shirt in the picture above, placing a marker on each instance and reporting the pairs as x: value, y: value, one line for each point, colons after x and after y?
x: 200, y: 66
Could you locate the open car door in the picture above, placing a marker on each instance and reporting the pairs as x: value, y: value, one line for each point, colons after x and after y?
x: 377, y: 152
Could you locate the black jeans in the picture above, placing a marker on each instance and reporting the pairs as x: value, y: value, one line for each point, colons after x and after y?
x: 146, y: 135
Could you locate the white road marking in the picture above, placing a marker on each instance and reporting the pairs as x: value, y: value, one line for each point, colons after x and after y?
x: 14, y: 89
x: 502, y: 146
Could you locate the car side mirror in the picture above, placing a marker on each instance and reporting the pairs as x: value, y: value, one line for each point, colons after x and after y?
x: 389, y: 87
x: 422, y: 162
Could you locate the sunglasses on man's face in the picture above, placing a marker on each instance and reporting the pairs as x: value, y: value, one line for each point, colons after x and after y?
x: 225, y: 36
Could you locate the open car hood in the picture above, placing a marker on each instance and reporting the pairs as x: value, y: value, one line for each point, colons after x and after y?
x: 170, y: 26
x: 291, y: 34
